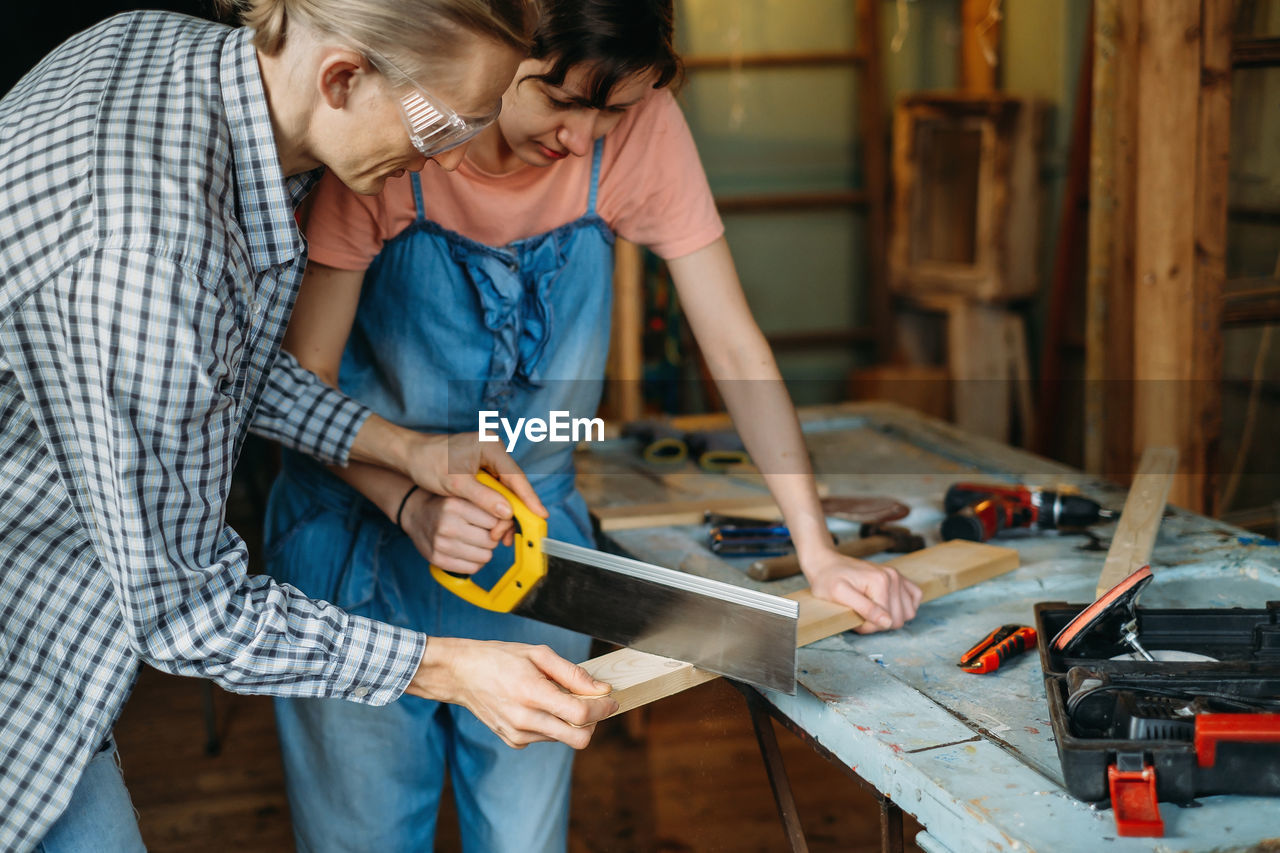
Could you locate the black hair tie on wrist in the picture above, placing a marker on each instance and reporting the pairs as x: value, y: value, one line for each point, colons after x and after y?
x: 404, y: 500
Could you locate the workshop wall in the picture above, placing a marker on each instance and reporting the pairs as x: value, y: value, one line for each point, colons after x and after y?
x: 1042, y: 45
x: 764, y: 130
x: 770, y: 130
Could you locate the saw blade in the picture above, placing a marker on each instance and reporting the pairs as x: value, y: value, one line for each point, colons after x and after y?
x: 726, y: 629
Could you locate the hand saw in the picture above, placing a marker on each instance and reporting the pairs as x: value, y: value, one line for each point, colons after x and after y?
x: 726, y: 629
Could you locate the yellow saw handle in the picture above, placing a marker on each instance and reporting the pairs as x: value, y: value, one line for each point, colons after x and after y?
x: 526, y: 570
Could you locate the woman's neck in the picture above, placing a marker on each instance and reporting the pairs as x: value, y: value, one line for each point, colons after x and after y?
x: 286, y: 102
x: 489, y: 152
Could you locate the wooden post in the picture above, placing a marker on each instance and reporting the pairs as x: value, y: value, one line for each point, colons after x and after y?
x: 1108, y: 397
x: 1166, y: 65
x: 875, y: 167
x: 979, y: 29
x: 1180, y: 235
x: 1066, y: 257
x: 1212, y: 189
x: 980, y: 368
x: 1164, y: 238
x: 626, y: 351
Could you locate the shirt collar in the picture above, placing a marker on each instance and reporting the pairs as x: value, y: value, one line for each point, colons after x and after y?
x: 264, y: 197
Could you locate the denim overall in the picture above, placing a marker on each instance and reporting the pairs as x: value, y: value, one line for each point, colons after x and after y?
x: 446, y: 327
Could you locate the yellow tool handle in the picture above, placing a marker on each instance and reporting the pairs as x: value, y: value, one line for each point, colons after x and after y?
x: 665, y: 451
x: 526, y: 569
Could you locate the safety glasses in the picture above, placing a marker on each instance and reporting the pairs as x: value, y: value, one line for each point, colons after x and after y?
x: 433, y: 127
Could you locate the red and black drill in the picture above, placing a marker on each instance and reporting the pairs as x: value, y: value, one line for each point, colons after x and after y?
x: 980, y: 511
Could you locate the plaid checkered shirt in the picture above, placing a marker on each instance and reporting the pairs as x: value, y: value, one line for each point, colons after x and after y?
x: 149, y: 259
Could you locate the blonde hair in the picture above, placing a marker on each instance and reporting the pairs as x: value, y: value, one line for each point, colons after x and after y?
x: 401, y: 29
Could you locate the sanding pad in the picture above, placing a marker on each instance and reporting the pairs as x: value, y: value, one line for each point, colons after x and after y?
x: 1121, y: 596
x: 866, y: 509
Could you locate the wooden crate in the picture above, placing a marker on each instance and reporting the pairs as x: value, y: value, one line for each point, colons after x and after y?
x: 966, y: 208
x: 925, y: 388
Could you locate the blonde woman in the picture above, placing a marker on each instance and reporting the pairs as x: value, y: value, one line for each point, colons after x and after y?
x: 149, y: 170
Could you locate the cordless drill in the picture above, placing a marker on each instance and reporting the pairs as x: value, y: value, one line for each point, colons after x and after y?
x: 980, y: 511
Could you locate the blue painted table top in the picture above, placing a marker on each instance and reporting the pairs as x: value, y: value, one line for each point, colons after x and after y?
x: 972, y: 757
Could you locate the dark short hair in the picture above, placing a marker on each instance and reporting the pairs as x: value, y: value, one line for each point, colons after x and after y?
x: 618, y: 39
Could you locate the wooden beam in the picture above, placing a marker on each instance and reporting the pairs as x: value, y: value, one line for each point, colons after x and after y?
x: 979, y: 35
x: 875, y: 167
x: 1067, y: 259
x: 1136, y: 531
x: 1203, y: 430
x: 1184, y: 69
x: 1252, y: 307
x: 1165, y: 240
x: 1254, y: 214
x: 626, y: 354
x: 980, y: 368
x: 1255, y: 52
x: 1015, y: 333
x: 1154, y: 296
x: 1108, y: 395
x: 639, y: 678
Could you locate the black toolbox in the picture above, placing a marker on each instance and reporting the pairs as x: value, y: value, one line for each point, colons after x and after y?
x: 1138, y: 731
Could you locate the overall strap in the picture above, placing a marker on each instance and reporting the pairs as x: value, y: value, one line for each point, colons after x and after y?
x: 595, y: 176
x: 417, y: 195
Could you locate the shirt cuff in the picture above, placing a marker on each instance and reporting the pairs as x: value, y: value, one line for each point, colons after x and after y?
x: 376, y: 662
x: 301, y: 412
x: 345, y: 419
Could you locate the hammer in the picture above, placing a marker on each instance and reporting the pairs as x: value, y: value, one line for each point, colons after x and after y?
x: 871, y: 539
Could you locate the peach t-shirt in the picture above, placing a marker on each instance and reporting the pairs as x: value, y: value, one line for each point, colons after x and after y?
x: 652, y: 192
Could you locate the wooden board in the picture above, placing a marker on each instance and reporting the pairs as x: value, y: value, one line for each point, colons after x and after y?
x: 980, y: 366
x: 639, y: 678
x: 1136, y: 531
x: 676, y: 513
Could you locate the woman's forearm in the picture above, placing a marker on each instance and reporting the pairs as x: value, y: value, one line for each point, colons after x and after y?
x: 385, y: 488
x: 382, y: 443
x: 748, y: 378
x: 766, y: 421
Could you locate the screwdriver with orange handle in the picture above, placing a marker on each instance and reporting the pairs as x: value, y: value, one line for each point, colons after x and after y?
x: 997, y: 647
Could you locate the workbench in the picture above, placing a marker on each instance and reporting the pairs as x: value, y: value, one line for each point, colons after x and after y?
x: 971, y: 757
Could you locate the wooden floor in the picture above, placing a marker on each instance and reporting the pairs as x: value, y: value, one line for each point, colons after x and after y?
x: 692, y: 780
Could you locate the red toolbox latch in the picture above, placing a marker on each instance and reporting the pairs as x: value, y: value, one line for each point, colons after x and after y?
x: 1133, y: 797
x: 1212, y: 729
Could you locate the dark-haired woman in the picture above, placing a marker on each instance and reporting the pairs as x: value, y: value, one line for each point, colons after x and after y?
x: 488, y: 289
